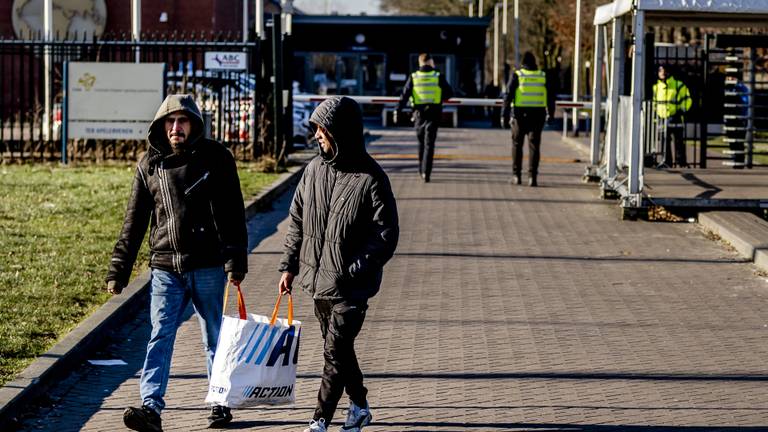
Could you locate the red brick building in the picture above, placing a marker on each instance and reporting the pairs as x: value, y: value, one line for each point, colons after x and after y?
x: 160, y: 15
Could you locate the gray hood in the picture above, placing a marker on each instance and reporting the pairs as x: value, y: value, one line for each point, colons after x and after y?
x: 173, y: 103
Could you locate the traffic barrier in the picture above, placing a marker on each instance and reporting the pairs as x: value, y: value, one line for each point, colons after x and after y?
x: 392, y: 100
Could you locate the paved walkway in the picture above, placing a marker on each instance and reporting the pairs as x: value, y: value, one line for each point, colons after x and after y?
x: 505, y: 308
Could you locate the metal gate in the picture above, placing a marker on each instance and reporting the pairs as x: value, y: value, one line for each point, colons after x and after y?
x: 225, y: 97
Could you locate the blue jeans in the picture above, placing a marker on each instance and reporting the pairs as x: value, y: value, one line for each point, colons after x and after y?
x: 170, y: 294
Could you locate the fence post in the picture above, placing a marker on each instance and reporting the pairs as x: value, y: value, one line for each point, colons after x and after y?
x: 703, y: 121
x: 65, y: 113
x: 277, y: 85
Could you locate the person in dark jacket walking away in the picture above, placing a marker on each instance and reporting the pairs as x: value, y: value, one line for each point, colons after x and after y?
x: 187, y: 189
x: 527, y: 103
x: 343, y: 229
x: 427, y: 89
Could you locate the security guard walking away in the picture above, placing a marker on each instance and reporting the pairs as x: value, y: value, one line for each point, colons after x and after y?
x: 527, y: 103
x: 427, y: 89
x: 672, y: 100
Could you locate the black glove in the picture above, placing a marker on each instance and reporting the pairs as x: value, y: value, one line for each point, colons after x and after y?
x: 235, y: 276
x: 115, y: 287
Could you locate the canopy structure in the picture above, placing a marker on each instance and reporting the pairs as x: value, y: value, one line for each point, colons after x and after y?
x: 698, y: 12
x: 641, y: 14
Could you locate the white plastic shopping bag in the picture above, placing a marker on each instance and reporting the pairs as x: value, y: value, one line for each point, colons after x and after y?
x: 256, y: 356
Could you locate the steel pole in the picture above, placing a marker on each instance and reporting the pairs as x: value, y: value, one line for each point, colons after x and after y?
x: 259, y: 18
x: 597, y: 96
x: 245, y: 21
x: 614, y: 88
x: 136, y: 26
x: 638, y: 69
x: 576, y: 66
x: 496, y: 46
x: 517, y: 35
x: 48, y: 33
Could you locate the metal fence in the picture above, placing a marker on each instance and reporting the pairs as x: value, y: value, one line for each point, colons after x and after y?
x: 225, y: 97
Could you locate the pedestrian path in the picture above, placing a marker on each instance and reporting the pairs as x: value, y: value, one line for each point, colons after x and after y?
x: 506, y: 308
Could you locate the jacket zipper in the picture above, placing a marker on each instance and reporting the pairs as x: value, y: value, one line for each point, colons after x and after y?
x: 165, y: 191
x: 194, y: 185
x: 325, y: 228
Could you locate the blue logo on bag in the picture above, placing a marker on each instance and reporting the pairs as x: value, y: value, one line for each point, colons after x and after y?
x: 281, y: 347
x: 252, y: 392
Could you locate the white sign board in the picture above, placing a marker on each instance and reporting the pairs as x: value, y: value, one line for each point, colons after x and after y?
x: 113, y: 100
x: 226, y: 60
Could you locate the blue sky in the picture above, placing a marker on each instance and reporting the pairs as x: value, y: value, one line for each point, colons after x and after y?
x: 344, y: 7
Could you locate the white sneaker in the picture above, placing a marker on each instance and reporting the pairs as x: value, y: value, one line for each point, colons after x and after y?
x: 357, y: 418
x: 316, y: 426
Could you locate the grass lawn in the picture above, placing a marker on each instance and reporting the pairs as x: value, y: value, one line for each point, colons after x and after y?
x: 57, y: 229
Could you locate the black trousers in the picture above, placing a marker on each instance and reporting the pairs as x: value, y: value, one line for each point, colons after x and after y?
x: 527, y: 123
x: 427, y: 119
x: 675, y: 143
x: 340, y: 323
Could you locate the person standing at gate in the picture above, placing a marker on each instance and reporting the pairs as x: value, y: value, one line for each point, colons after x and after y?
x: 427, y: 89
x: 187, y: 189
x: 343, y: 228
x: 527, y: 104
x: 672, y: 100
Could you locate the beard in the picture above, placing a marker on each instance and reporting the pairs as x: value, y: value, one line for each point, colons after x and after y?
x: 179, y: 146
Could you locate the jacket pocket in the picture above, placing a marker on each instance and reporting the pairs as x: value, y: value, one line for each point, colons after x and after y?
x: 347, y: 319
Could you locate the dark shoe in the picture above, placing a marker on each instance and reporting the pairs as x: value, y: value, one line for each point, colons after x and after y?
x: 143, y: 419
x: 425, y: 177
x: 532, y: 181
x: 515, y: 180
x: 220, y: 417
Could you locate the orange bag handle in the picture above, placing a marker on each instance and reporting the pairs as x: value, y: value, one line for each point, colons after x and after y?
x: 240, y: 300
x: 277, y: 307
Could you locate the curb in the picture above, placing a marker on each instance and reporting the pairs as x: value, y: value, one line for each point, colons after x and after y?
x: 44, y: 371
x: 747, y: 233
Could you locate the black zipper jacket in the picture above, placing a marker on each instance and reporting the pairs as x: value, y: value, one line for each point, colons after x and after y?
x: 191, y: 201
x: 343, y: 218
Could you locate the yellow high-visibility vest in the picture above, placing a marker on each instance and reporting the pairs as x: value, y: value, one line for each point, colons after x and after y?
x: 671, y: 97
x: 531, y: 91
x: 426, y: 88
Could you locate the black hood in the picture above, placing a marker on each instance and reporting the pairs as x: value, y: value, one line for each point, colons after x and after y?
x: 343, y: 119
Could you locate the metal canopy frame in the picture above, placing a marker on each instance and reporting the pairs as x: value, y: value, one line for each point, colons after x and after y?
x: 641, y: 14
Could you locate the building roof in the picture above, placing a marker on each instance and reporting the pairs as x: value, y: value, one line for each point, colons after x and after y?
x: 391, y: 20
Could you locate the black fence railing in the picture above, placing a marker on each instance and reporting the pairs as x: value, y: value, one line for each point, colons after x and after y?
x: 728, y: 122
x: 227, y: 98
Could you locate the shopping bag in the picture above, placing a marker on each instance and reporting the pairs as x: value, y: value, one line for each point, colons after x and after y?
x: 256, y: 357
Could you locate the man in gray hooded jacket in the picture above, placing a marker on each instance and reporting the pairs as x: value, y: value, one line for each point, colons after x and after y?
x: 187, y: 190
x: 343, y: 229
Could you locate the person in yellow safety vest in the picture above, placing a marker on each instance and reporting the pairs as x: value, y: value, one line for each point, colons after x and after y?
x: 672, y: 100
x: 427, y: 89
x: 528, y: 104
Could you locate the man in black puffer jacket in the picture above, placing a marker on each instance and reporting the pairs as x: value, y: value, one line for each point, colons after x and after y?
x: 343, y: 229
x: 187, y: 187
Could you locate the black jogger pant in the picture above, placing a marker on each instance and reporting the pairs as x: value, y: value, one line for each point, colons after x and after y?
x: 527, y: 123
x: 340, y: 323
x: 427, y: 119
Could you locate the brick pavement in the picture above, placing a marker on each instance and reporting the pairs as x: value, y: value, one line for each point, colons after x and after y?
x: 505, y: 308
